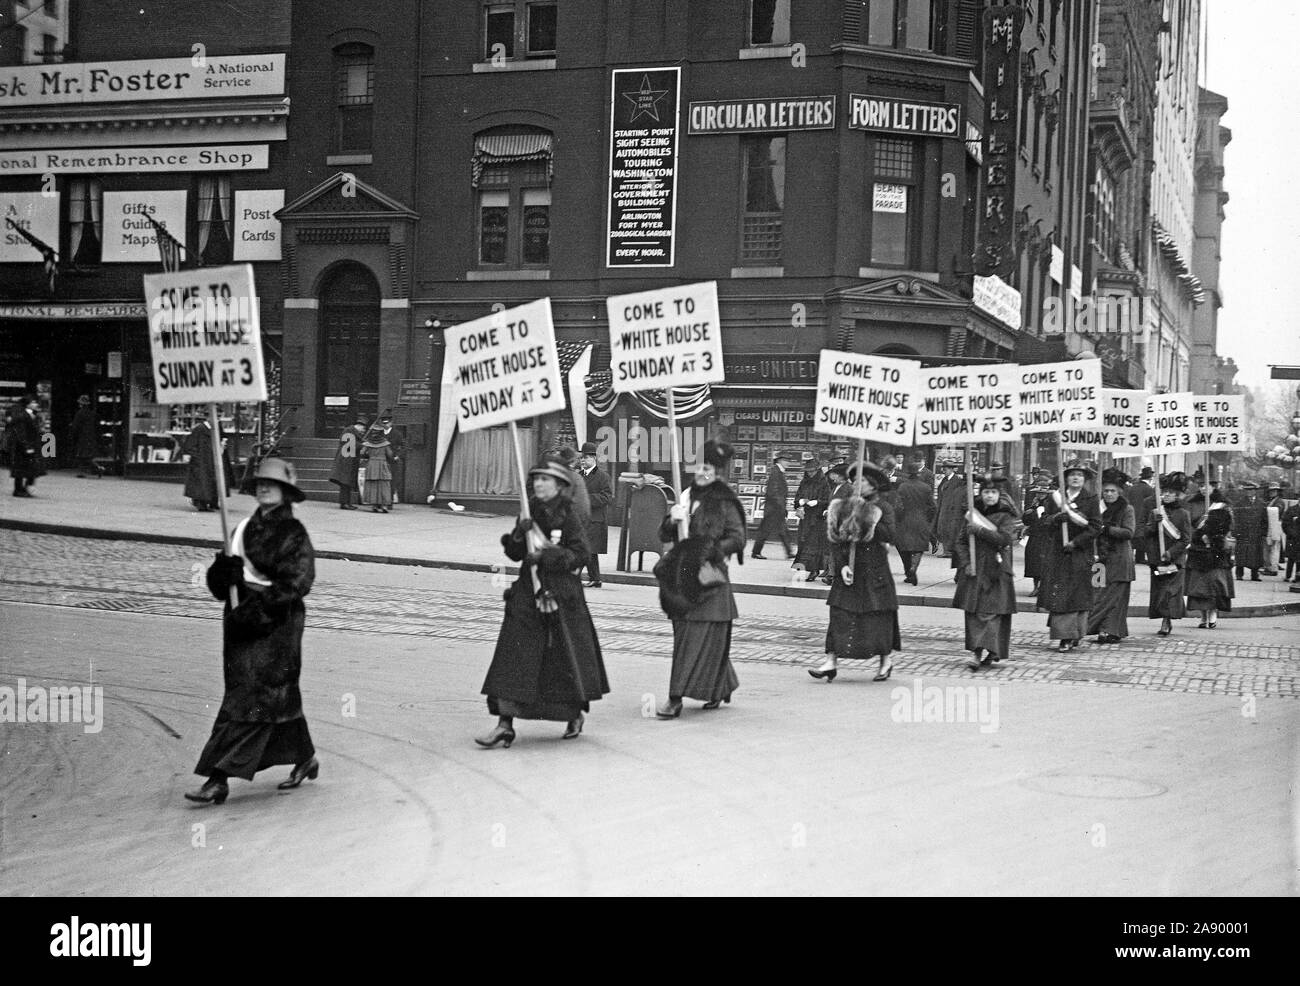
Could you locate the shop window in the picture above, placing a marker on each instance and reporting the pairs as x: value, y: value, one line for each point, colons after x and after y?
x: 85, y: 221
x: 519, y: 29
x: 901, y: 24
x: 769, y: 22
x: 894, y: 202
x: 354, y: 85
x: 50, y: 48
x: 764, y: 207
x: 512, y: 178
x: 216, y: 238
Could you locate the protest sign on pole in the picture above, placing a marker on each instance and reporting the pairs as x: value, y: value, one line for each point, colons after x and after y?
x: 206, y: 347
x: 1122, y: 427
x: 968, y: 404
x: 666, y: 338
x: 1219, y: 423
x: 872, y: 398
x: 1055, y: 396
x: 1168, y: 424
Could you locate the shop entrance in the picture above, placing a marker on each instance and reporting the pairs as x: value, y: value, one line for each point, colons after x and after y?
x: 349, y: 350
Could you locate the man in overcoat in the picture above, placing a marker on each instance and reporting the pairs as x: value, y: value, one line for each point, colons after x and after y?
x: 1141, y: 497
x: 774, y: 497
x: 343, y: 473
x: 1250, y: 525
x: 23, y: 440
x: 83, y: 436
x: 951, y: 507
x: 600, y: 494
x: 914, y: 513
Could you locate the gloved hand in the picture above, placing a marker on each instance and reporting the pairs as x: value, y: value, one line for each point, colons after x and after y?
x: 522, y: 526
x: 1068, y: 548
x: 227, y: 569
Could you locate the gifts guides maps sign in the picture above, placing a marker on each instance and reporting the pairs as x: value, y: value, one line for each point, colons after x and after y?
x: 669, y: 337
x: 968, y: 404
x: 867, y: 397
x: 204, y: 336
x: 504, y: 367
x: 1054, y: 396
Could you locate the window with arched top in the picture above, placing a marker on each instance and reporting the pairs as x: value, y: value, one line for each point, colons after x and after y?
x: 511, y: 173
x: 354, y: 98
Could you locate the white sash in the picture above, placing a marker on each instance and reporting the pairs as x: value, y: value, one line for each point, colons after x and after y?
x: 251, y: 575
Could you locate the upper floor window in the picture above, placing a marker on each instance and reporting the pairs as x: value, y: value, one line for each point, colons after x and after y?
x: 900, y: 24
x: 216, y: 239
x: 512, y: 176
x: 769, y: 22
x: 354, y: 85
x: 894, y: 206
x: 1104, y: 229
x: 85, y: 220
x: 50, y: 48
x: 519, y: 29
x: 764, y: 208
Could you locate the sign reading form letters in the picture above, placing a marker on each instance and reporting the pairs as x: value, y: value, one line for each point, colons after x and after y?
x: 205, y: 336
x: 868, y: 397
x: 504, y: 367
x: 669, y: 337
x: 968, y: 404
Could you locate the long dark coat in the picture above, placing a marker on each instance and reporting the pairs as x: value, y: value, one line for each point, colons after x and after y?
x: 915, y: 511
x: 1141, y: 497
x: 200, y: 478
x: 873, y: 582
x: 600, y: 493
x: 1039, y: 532
x: 1250, y: 522
x: 1168, y: 597
x: 1208, y: 550
x: 548, y: 659
x: 1115, y: 541
x: 1195, y: 507
x: 812, y: 527
x: 1291, y: 529
x: 262, y: 636
x: 1067, y: 577
x: 83, y: 433
x: 718, y: 523
x: 347, y: 458
x: 992, y: 589
x: 23, y: 440
x: 774, y: 497
x: 951, y: 509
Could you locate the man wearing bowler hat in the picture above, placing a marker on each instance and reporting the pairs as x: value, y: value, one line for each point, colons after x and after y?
x: 774, y: 496
x: 1142, y: 498
x: 601, y: 493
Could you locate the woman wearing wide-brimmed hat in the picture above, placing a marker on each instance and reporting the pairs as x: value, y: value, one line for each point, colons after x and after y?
x: 863, y: 600
x: 1209, y: 563
x: 1066, y: 591
x: 695, y: 585
x: 986, y: 587
x: 1109, y: 617
x: 377, y: 456
x: 270, y: 569
x: 1167, y: 582
x: 547, y: 663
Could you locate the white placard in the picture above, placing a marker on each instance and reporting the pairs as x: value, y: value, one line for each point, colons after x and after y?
x: 999, y: 299
x: 1168, y: 424
x: 504, y: 367
x: 1054, y: 396
x: 968, y: 404
x: 870, y: 397
x: 257, y: 231
x: 889, y: 198
x: 1122, y: 428
x: 670, y: 337
x: 1219, y: 423
x: 158, y: 78
x: 205, y: 335
x: 112, y: 160
x: 35, y: 212
x: 129, y: 238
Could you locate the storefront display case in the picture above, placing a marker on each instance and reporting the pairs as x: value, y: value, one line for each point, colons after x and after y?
x: 159, y: 430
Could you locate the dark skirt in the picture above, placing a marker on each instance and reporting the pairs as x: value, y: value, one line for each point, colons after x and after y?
x: 241, y: 749
x: 1210, y: 590
x: 1068, y: 626
x: 812, y: 541
x: 1110, y: 610
x: 378, y: 493
x: 548, y: 711
x: 1167, y: 596
x: 701, y: 661
x: 990, y: 632
x: 862, y: 635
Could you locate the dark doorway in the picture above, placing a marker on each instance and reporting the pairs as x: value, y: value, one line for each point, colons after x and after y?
x: 349, y: 353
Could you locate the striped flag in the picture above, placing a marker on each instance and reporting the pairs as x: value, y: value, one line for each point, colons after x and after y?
x: 48, y: 252
x: 169, y: 248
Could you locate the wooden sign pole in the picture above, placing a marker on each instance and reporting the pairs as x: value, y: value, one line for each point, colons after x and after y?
x: 524, y: 512
x: 847, y: 574
x: 675, y: 453
x: 214, y: 422
x: 970, y: 507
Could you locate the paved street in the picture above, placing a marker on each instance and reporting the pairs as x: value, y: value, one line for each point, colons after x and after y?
x: 1157, y: 767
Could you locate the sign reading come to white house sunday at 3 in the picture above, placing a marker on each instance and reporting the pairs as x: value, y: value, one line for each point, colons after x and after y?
x: 205, y: 335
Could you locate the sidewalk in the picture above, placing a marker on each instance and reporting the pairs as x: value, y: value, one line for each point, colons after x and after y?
x: 418, y: 535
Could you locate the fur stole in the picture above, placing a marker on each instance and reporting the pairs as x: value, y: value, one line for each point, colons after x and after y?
x: 852, y: 519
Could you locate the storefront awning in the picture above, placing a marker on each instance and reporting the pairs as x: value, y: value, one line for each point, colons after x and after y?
x: 509, y: 148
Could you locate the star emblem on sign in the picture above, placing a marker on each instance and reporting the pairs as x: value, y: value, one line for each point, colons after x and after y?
x: 645, y: 101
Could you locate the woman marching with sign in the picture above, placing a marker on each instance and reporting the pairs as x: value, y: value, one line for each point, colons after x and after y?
x: 1066, y: 592
x: 694, y: 587
x: 1209, y: 563
x: 1168, y: 534
x: 986, y: 587
x: 547, y: 663
x: 863, y: 600
x: 1109, y: 617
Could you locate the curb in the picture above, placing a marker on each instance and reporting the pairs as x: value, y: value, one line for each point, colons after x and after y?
x: 615, y: 578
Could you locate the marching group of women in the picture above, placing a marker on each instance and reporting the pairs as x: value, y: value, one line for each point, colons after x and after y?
x: 547, y: 664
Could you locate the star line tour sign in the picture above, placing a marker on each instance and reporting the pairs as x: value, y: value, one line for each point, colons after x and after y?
x: 867, y: 397
x: 503, y: 367
x: 669, y: 337
x: 643, y: 167
x: 205, y: 337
